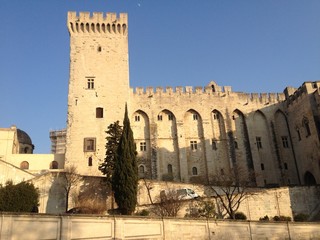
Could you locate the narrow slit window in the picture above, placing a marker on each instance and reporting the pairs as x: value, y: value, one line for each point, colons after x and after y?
x: 90, y: 161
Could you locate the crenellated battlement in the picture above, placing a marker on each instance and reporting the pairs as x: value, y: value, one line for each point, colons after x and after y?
x: 217, y: 91
x: 97, y: 23
x: 293, y: 94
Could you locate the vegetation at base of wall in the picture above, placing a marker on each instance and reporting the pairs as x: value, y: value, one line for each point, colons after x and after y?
x: 265, y: 218
x: 301, y: 217
x: 201, y: 209
x: 113, y: 138
x: 282, y: 218
x: 22, y: 197
x: 240, y: 216
x: 125, y: 177
x: 143, y: 212
x: 168, y: 204
x: 92, y: 196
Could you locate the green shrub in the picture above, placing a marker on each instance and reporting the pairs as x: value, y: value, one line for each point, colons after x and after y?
x: 22, y: 197
x: 282, y: 218
x: 143, y: 212
x: 301, y: 217
x: 240, y: 215
x: 265, y: 218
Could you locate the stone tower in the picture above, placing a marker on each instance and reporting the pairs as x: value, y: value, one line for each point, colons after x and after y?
x: 98, y: 85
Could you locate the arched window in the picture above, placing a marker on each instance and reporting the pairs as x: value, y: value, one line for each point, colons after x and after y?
x: 141, y: 169
x: 169, y: 168
x: 90, y: 161
x: 54, y: 165
x: 194, y: 171
x: 24, y: 165
x: 309, y: 179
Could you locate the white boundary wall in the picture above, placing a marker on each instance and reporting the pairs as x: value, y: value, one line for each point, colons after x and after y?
x: 64, y: 227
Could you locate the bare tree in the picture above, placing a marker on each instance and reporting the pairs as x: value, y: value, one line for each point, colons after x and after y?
x: 70, y: 179
x: 231, y: 188
x: 148, y: 184
x: 169, y: 204
x: 93, y: 195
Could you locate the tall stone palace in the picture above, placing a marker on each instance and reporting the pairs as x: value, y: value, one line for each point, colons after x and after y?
x: 185, y: 134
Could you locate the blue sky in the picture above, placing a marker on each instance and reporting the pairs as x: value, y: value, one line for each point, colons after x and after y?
x: 251, y: 45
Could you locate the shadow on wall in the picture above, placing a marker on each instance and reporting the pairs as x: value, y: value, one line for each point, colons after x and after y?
x: 56, y: 196
x: 305, y: 200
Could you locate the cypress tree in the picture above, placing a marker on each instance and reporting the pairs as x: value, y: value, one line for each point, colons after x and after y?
x: 114, y: 133
x: 125, y: 177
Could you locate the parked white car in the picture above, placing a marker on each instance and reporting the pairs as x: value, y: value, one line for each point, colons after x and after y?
x: 182, y: 194
x: 187, y: 193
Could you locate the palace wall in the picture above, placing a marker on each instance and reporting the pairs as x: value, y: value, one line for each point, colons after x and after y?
x: 119, y: 227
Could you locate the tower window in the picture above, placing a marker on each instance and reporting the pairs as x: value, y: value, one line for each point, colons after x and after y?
x: 90, y: 161
x: 262, y: 166
x: 307, y: 127
x: 170, y: 117
x: 89, y: 145
x: 99, y: 48
x: 195, y: 116
x: 194, y: 171
x: 214, y: 144
x: 143, y: 146
x: 298, y: 133
x: 285, y: 166
x: 99, y: 112
x: 215, y: 116
x: 141, y: 169
x: 193, y: 145
x: 285, y: 142
x: 137, y: 118
x: 90, y: 83
x: 159, y: 117
x: 169, y: 168
x: 236, y: 145
x: 258, y: 142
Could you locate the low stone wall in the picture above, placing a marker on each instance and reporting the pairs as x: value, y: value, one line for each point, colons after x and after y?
x: 66, y: 227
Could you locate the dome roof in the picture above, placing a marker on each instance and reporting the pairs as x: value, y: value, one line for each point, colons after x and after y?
x: 23, y: 137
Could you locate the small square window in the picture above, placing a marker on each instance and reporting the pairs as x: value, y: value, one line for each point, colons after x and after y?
x: 90, y: 83
x: 89, y: 145
x: 143, y: 146
x: 193, y: 145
